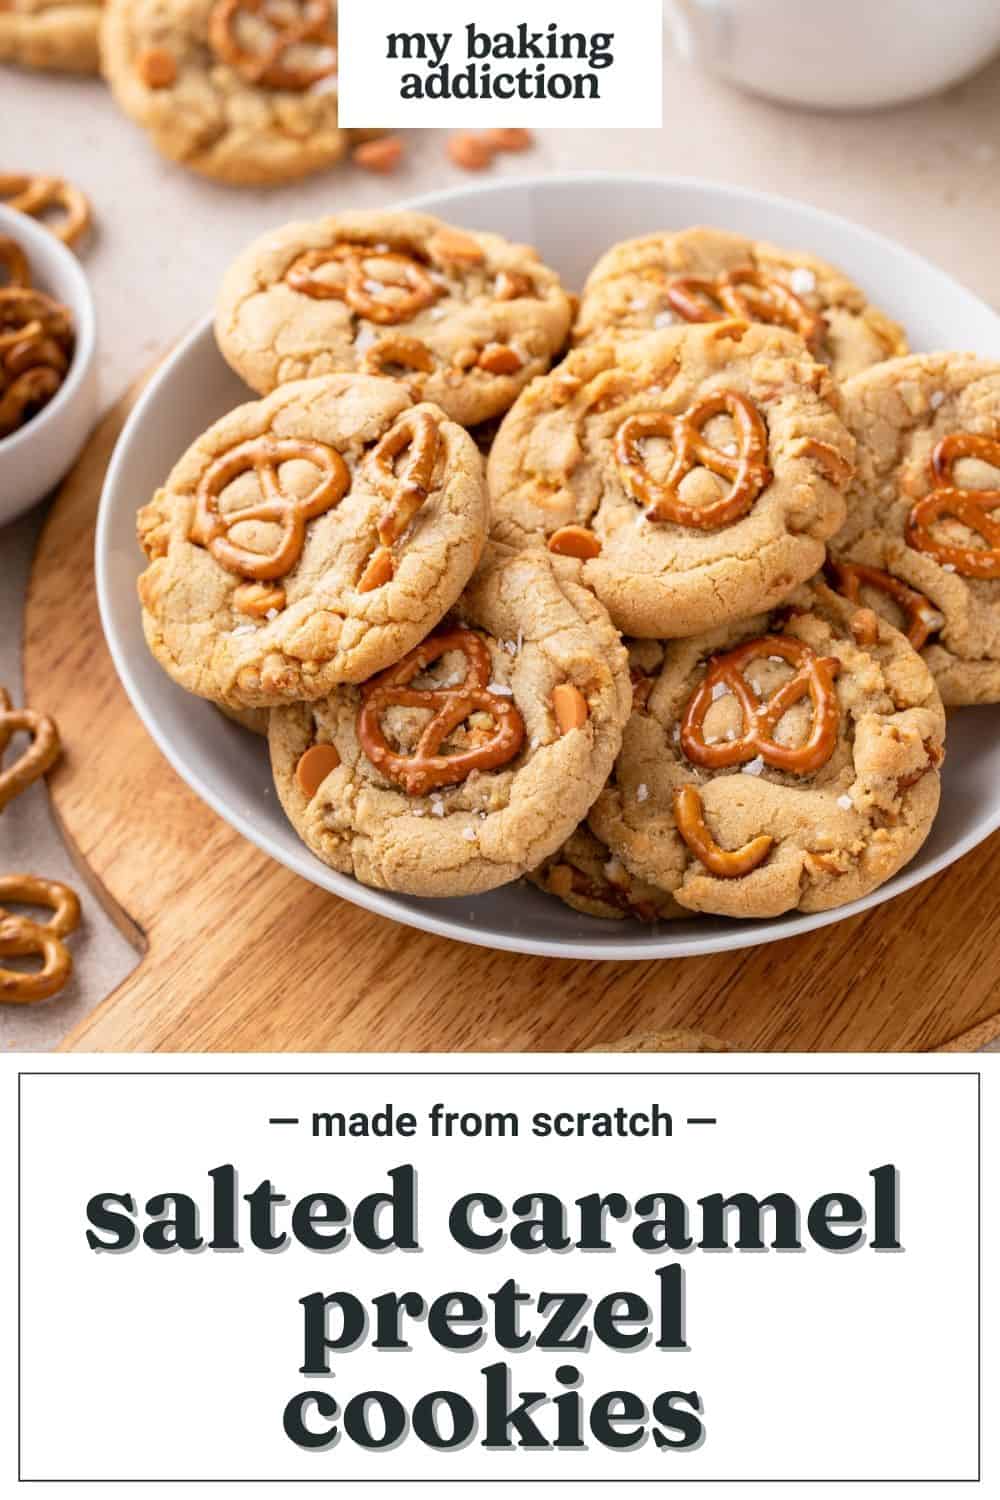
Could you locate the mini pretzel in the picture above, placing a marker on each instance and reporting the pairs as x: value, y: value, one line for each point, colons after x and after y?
x: 973, y: 508
x: 32, y: 890
x: 283, y: 64
x: 747, y: 470
x: 745, y: 293
x: 728, y: 864
x: 23, y: 307
x: 814, y: 678
x: 426, y: 769
x: 40, y: 756
x: 922, y: 619
x: 25, y: 395
x: 366, y: 267
x: 264, y: 457
x: 420, y: 434
x: 36, y: 195
x: 14, y: 262
x: 397, y: 349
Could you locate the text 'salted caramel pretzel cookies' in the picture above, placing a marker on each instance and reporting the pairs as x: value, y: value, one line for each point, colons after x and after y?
x: 696, y: 473
x: 240, y: 90
x: 22, y: 937
x: 38, y: 757
x: 56, y: 35
x: 58, y: 204
x: 787, y: 762
x: 465, y: 320
x: 704, y: 275
x: 309, y: 539
x: 457, y: 770
x: 921, y: 543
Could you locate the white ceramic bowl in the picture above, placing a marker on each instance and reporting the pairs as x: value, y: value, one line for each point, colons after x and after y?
x: 571, y: 220
x: 35, y: 457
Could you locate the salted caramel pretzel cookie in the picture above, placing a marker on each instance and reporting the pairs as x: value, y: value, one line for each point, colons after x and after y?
x: 697, y: 472
x: 703, y: 275
x: 473, y: 759
x: 588, y: 877
x: 462, y: 319
x: 309, y: 539
x: 786, y: 762
x: 60, y: 35
x: 921, y: 544
x: 244, y: 91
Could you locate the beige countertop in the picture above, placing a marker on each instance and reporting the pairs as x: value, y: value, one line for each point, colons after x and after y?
x: 926, y: 174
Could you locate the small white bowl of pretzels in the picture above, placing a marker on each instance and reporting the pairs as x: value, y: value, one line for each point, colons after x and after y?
x: 48, y: 374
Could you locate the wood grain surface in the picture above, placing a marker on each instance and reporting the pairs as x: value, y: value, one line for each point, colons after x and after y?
x: 240, y: 955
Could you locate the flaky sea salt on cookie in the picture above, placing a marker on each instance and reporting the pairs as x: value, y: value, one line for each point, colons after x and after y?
x: 697, y: 472
x: 472, y: 760
x: 921, y: 543
x: 309, y: 539
x: 704, y: 275
x: 236, y: 90
x: 786, y: 763
x: 462, y: 319
x: 57, y: 35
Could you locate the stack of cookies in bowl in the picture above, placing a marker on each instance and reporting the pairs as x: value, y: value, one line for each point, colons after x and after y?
x: 680, y: 642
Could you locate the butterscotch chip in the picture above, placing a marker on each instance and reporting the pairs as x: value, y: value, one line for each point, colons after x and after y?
x: 569, y: 706
x: 290, y: 494
x: 534, y: 627
x: 156, y: 67
x: 510, y: 139
x: 575, y: 541
x: 355, y: 290
x: 644, y: 284
x: 258, y: 599
x: 471, y: 152
x: 314, y: 767
x: 383, y: 155
x: 857, y: 812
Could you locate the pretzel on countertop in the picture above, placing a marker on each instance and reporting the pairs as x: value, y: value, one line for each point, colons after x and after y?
x: 22, y: 937
x: 39, y: 757
x: 35, y: 194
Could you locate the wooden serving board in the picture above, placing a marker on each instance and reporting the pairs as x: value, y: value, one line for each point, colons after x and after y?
x: 236, y: 954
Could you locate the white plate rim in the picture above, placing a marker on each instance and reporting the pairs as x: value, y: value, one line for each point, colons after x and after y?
x: 302, y: 862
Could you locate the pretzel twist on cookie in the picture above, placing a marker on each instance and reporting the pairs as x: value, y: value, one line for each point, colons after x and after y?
x: 747, y: 469
x: 745, y: 293
x: 727, y: 864
x: 368, y: 274
x: 948, y: 501
x: 263, y: 457
x: 921, y: 618
x: 426, y: 768
x: 813, y: 678
x: 283, y: 62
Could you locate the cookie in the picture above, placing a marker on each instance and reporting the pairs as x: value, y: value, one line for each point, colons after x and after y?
x: 696, y: 472
x: 463, y: 319
x: 471, y: 761
x: 789, y: 762
x: 589, y: 878
x: 60, y: 35
x: 309, y: 539
x: 244, y: 91
x: 702, y: 275
x: 253, y: 720
x: 921, y: 544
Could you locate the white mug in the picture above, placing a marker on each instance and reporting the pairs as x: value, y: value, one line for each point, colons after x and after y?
x: 838, y: 54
